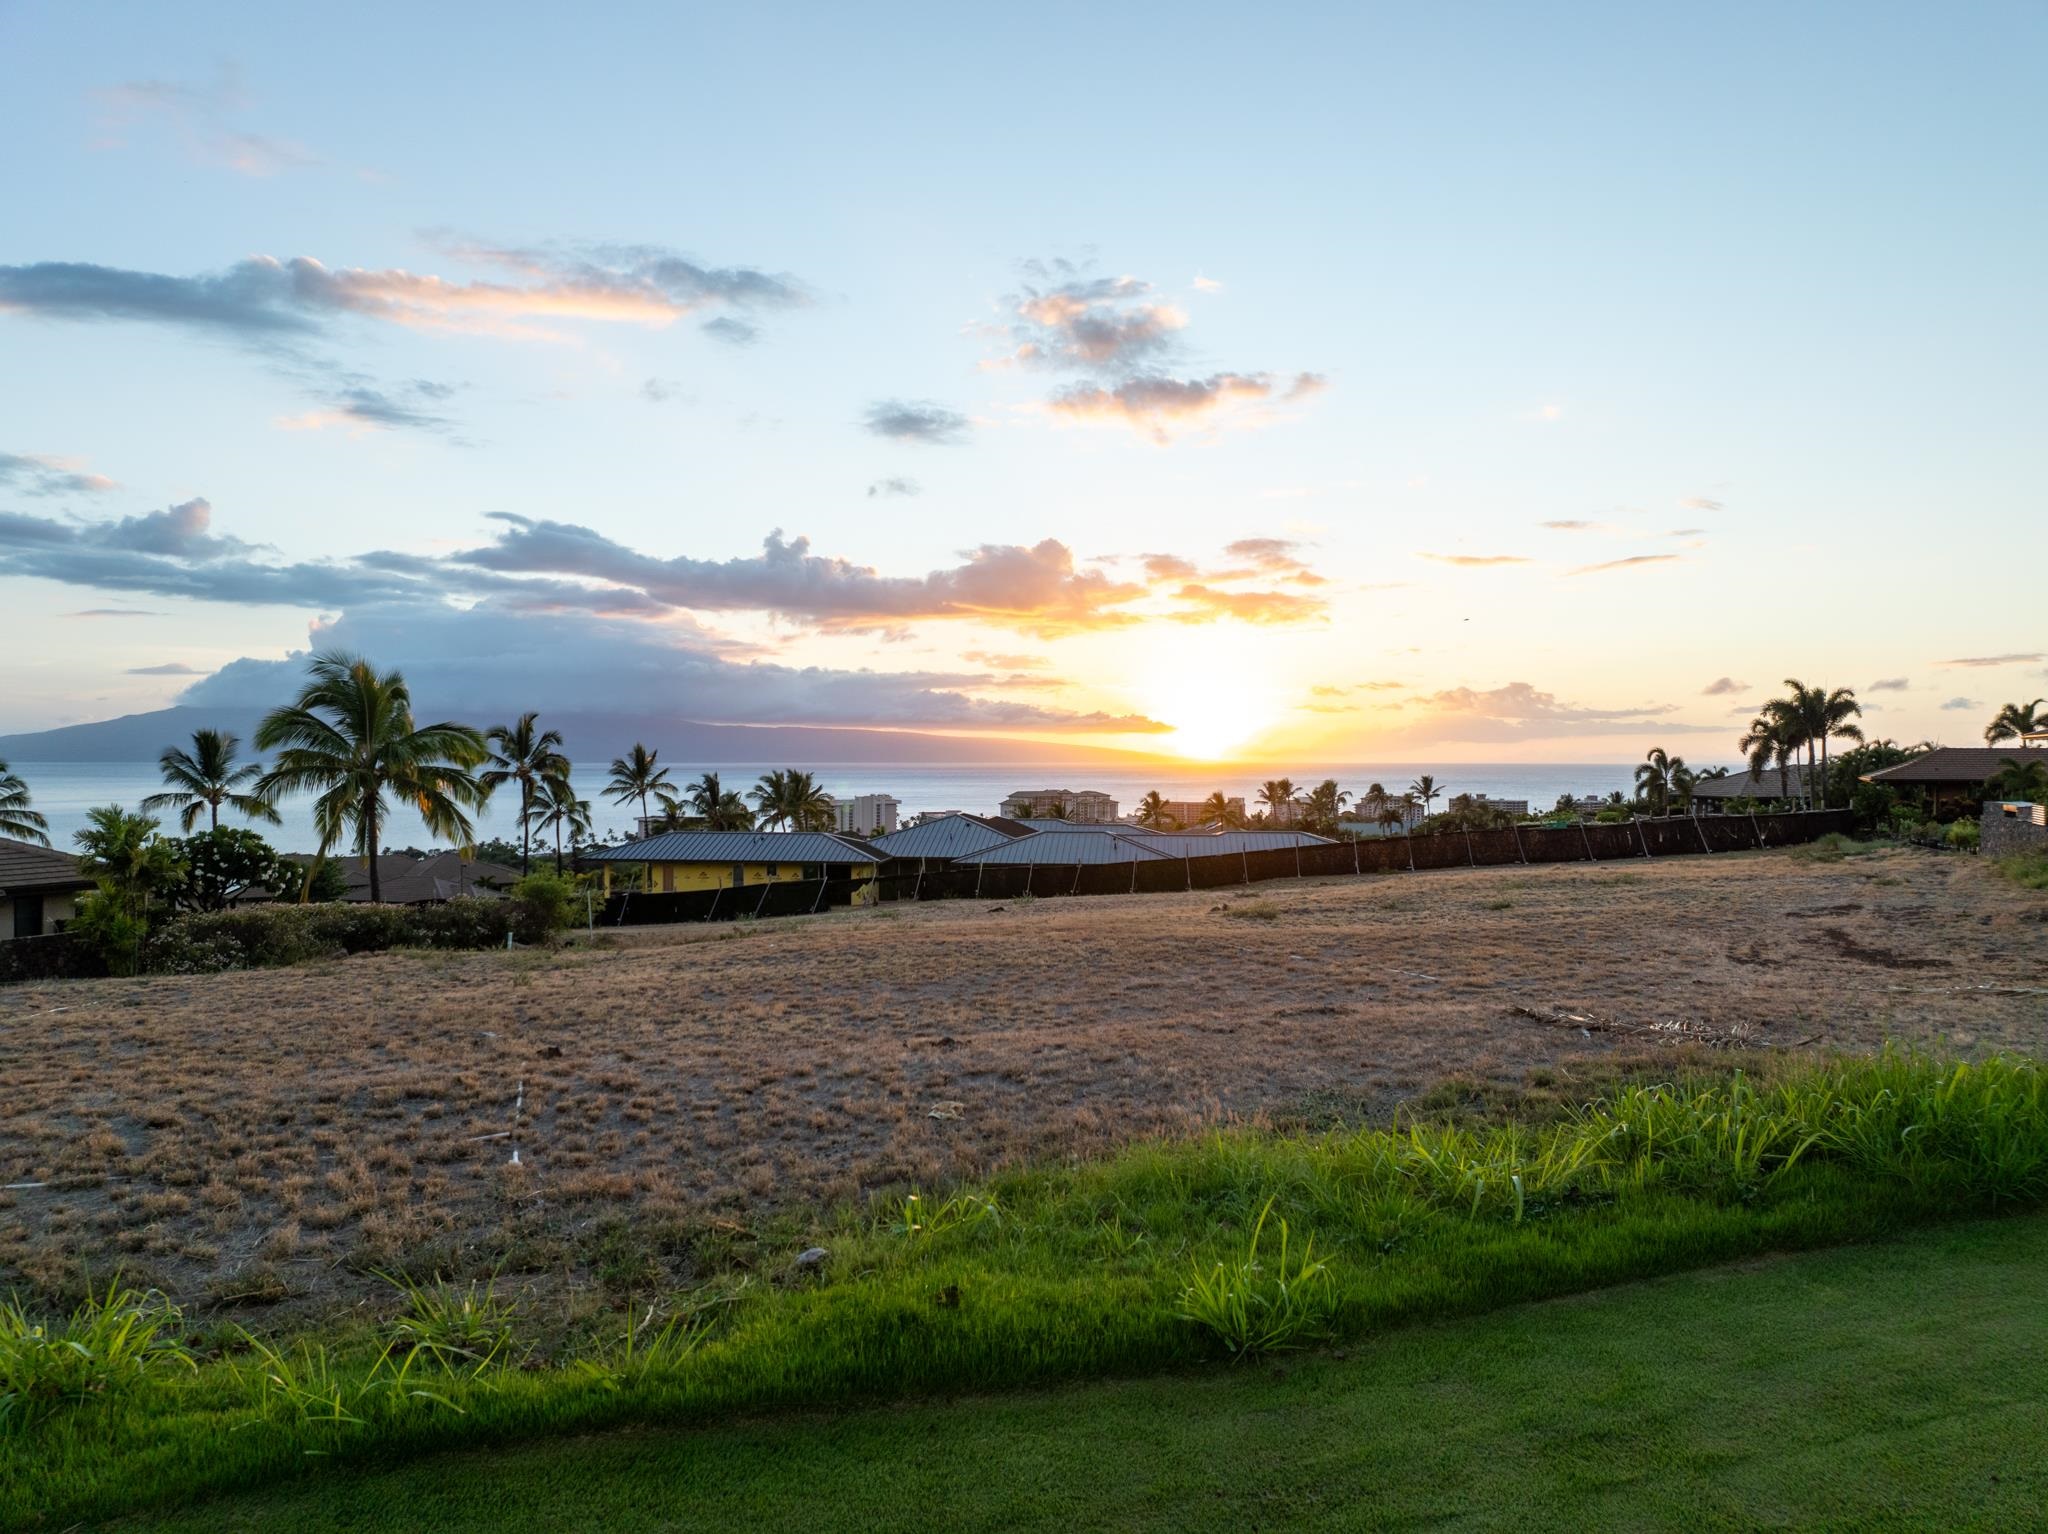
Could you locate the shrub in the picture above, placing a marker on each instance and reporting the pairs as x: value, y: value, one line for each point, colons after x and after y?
x: 113, y: 932
x: 468, y: 921
x: 2029, y: 870
x: 542, y: 906
x: 1964, y: 835
x: 105, y: 1345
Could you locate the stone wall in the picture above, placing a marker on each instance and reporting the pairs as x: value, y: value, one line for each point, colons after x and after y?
x: 2009, y: 828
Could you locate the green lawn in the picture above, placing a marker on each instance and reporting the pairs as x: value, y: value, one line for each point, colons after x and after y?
x: 1902, y: 1385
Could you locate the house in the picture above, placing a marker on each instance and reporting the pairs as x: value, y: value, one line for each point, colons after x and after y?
x: 403, y: 879
x: 1948, y: 776
x: 1085, y: 805
x: 1066, y: 847
x: 683, y: 861
x: 865, y: 814
x: 1766, y: 787
x: 39, y: 889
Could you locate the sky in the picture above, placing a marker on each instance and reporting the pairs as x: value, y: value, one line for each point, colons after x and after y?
x: 1353, y: 383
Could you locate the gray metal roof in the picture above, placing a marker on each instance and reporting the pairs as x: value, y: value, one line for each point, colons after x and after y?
x: 947, y: 837
x: 740, y: 847
x: 1092, y: 827
x: 1056, y: 847
x: 1209, y: 844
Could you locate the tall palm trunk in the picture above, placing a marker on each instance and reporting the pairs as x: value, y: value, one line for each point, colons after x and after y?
x: 525, y: 825
x: 558, y: 848
x: 370, y: 849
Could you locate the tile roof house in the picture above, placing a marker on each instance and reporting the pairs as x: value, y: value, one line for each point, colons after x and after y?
x: 39, y: 888
x: 406, y: 880
x: 1762, y: 786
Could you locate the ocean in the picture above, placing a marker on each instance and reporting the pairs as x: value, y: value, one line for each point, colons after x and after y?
x: 64, y: 791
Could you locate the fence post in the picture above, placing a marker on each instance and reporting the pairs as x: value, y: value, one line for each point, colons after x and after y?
x: 1409, y: 838
x: 717, y: 894
x: 1645, y: 836
x: 762, y: 904
x: 1134, y: 876
x: 1355, y: 868
x: 1758, y: 828
x: 1244, y: 860
x: 1297, y: 860
x: 1077, y: 879
x: 824, y: 879
x: 1187, y: 863
x: 1518, y: 844
x: 1470, y: 860
x: 1588, y: 840
x: 1705, y: 845
x: 979, y: 869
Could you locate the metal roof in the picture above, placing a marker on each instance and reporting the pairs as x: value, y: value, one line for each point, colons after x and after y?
x: 1209, y: 844
x: 1068, y: 847
x: 947, y: 837
x: 1094, y: 827
x: 740, y: 847
x: 25, y: 866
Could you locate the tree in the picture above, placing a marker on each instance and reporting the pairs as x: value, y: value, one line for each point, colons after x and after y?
x: 1426, y: 791
x: 1810, y: 716
x: 2020, y: 780
x: 226, y: 862
x: 555, y: 807
x: 1055, y: 809
x: 351, y: 738
x: 1324, y: 807
x: 637, y: 775
x: 717, y: 807
x: 16, y: 818
x: 792, y: 799
x: 2015, y: 721
x: 1397, y: 810
x: 524, y: 754
x: 1152, y: 811
x: 1276, y: 794
x: 203, y: 779
x: 1770, y: 739
x: 1661, y: 778
x: 1218, y: 810
x: 134, y: 866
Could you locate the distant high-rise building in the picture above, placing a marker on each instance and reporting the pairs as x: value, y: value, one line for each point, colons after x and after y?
x: 1086, y: 805
x: 866, y: 814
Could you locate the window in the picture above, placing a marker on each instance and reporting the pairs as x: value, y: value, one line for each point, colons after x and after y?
x: 814, y: 871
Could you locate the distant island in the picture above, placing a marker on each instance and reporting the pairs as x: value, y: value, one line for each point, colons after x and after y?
x: 595, y: 737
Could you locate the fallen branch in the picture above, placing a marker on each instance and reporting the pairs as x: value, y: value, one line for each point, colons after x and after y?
x: 1677, y: 1030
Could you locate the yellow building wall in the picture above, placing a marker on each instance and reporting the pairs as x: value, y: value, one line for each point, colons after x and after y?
x: 682, y: 878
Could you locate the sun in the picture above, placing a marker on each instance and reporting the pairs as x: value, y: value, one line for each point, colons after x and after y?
x: 1211, y: 692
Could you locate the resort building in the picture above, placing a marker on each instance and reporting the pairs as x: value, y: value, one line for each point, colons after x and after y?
x: 1519, y: 808
x: 1195, y: 812
x: 39, y: 889
x: 681, y: 861
x: 866, y: 815
x: 1085, y: 805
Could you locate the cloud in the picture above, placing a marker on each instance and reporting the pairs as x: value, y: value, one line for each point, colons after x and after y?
x: 1475, y: 561
x: 1547, y: 413
x: 1962, y: 703
x: 894, y: 485
x: 264, y: 299
x: 168, y: 668
x: 1699, y: 503
x: 1520, y: 712
x: 1685, y: 532
x: 1201, y: 603
x: 1888, y: 684
x: 1154, y: 404
x: 2017, y: 659
x: 1624, y: 564
x: 485, y: 661
x: 1100, y: 324
x: 734, y: 332
x: 1203, y: 284
x: 1723, y: 686
x: 197, y: 118
x: 364, y: 408
x: 916, y: 421
x: 1574, y: 526
x: 1276, y: 554
x: 1005, y: 660
x: 113, y: 612
x: 660, y: 391
x: 1170, y: 567
x: 40, y: 475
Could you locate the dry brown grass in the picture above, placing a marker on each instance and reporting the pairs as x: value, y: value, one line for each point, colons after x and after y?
x: 256, y: 1136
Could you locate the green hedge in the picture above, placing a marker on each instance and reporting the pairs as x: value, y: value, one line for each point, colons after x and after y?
x: 265, y: 936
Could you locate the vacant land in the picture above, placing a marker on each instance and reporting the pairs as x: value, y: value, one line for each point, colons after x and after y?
x: 266, y: 1136
x: 1886, y: 1387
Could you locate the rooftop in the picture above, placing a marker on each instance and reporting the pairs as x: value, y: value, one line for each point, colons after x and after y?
x: 1953, y: 764
x: 1066, y: 847
x: 740, y: 847
x: 1753, y: 785
x: 25, y: 866
x: 949, y: 836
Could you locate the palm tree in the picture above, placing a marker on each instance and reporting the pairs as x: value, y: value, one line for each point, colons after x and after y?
x: 1397, y: 810
x: 1426, y: 791
x: 717, y: 806
x: 556, y: 807
x: 1152, y: 812
x: 16, y: 818
x: 1324, y: 806
x: 2020, y: 780
x: 1813, y: 715
x: 1218, y: 810
x: 132, y: 863
x: 635, y: 776
x: 1276, y: 794
x: 520, y: 753
x: 1770, y: 738
x: 1660, y: 778
x: 1055, y: 809
x: 792, y: 798
x: 351, y: 737
x: 2016, y: 721
x: 205, y: 778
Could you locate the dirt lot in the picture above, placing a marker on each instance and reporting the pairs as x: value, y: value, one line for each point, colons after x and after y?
x: 266, y: 1136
